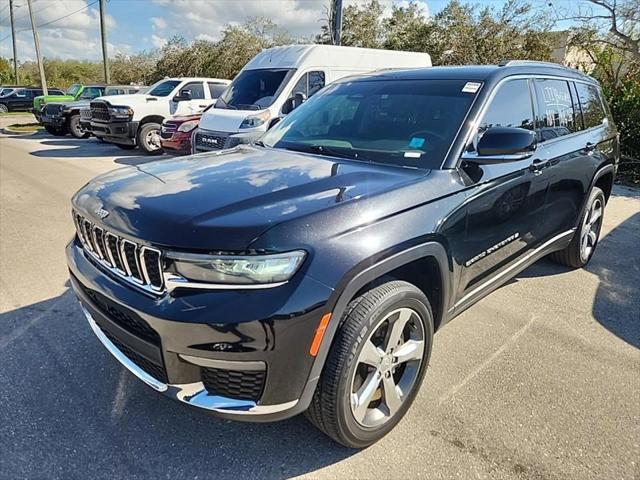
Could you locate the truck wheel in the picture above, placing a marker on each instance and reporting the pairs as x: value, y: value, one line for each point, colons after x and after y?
x: 56, y: 131
x: 375, y: 366
x: 149, y: 138
x: 74, y: 127
x: 585, y: 240
x: 3, y: 108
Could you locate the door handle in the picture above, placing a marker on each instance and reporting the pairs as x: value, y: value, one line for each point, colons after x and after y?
x: 590, y: 147
x: 203, y: 106
x: 539, y: 164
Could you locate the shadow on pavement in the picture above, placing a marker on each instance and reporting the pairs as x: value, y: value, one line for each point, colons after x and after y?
x: 616, y: 305
x: 69, y: 407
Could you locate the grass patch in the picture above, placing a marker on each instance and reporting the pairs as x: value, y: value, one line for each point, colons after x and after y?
x: 25, y: 127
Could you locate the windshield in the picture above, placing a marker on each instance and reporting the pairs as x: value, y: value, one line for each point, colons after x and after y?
x: 73, y: 89
x: 254, y: 89
x: 407, y: 123
x: 163, y: 89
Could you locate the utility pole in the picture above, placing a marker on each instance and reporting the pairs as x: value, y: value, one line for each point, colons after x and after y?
x: 336, y: 28
x: 36, y: 40
x: 103, y: 34
x: 13, y: 39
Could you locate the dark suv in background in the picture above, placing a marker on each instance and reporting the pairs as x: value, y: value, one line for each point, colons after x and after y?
x: 21, y: 99
x: 309, y: 271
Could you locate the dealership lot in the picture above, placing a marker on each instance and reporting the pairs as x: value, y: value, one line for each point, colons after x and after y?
x: 539, y: 380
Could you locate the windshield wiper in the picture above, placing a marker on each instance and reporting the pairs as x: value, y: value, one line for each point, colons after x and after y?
x: 324, y: 150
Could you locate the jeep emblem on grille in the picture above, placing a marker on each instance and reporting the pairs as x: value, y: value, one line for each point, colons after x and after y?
x: 101, y: 212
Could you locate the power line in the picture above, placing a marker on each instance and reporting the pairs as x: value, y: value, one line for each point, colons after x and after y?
x: 55, y: 20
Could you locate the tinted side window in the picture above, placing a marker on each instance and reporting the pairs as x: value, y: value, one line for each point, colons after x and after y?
x: 91, y: 93
x: 591, y: 105
x: 510, y: 107
x: 197, y: 90
x: 309, y: 83
x: 555, y: 116
x: 216, y: 89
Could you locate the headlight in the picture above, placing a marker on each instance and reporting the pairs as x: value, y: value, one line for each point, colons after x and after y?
x: 121, y: 112
x: 256, y: 120
x: 188, y: 126
x: 238, y: 270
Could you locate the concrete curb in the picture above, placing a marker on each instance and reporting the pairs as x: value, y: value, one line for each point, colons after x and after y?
x: 10, y: 131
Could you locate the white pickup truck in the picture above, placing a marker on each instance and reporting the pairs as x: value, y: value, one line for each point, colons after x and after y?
x: 135, y: 120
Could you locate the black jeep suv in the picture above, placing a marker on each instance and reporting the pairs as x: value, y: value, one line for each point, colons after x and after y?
x: 309, y: 271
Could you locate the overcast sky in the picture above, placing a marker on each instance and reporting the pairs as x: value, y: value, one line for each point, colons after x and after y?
x: 135, y: 25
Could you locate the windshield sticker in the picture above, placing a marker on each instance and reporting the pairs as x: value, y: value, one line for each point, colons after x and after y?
x: 416, y: 142
x: 471, y: 87
x: 412, y: 154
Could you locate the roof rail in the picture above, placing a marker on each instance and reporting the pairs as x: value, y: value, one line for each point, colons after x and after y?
x: 515, y: 63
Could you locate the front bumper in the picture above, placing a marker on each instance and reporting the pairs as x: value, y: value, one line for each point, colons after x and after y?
x: 53, y: 120
x: 234, y: 329
x: 123, y: 133
x: 179, y: 142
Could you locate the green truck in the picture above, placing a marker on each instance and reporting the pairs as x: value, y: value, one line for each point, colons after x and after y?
x: 73, y: 93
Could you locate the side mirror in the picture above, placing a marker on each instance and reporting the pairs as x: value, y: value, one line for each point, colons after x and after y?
x: 183, y: 96
x: 293, y: 102
x: 503, y: 144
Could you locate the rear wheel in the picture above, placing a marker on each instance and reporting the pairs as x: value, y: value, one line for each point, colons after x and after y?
x: 149, y: 138
x: 585, y: 240
x: 375, y: 366
x: 74, y: 127
x: 3, y: 108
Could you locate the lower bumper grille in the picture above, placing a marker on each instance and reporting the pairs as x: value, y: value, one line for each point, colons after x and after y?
x: 238, y: 384
x: 211, y: 141
x: 156, y: 371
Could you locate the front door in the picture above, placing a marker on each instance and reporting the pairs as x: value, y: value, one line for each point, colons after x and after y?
x: 199, y: 100
x: 505, y: 209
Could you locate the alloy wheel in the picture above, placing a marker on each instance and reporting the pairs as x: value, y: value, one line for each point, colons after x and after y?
x: 387, y: 368
x: 591, y: 229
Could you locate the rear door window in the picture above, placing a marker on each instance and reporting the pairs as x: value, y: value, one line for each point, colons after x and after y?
x: 590, y: 103
x: 555, y: 116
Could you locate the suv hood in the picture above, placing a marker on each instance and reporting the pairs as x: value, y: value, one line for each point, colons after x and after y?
x: 226, y: 120
x: 225, y: 200
x: 42, y: 99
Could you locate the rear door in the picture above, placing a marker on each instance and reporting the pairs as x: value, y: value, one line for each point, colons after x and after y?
x: 505, y: 210
x: 569, y: 148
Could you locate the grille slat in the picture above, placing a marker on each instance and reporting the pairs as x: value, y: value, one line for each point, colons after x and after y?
x: 138, y: 264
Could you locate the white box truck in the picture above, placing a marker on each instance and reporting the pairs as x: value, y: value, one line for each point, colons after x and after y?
x: 279, y: 79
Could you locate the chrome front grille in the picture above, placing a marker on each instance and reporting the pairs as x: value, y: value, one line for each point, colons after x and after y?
x: 138, y: 264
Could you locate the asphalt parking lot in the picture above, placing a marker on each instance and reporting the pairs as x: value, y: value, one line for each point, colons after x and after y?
x: 540, y: 380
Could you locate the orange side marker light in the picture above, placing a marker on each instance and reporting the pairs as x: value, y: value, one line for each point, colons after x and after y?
x: 317, y: 339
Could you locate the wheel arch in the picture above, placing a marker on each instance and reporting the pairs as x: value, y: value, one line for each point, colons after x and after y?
x: 151, y: 118
x: 399, y: 266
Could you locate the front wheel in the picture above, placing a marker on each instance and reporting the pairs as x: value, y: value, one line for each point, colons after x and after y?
x: 74, y: 127
x: 3, y: 108
x: 585, y: 240
x: 375, y: 366
x: 149, y: 138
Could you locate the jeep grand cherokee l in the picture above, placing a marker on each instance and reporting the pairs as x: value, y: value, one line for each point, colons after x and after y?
x: 309, y: 271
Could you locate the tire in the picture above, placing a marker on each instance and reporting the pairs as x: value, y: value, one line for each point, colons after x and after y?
x: 124, y: 147
x: 145, y: 135
x: 334, y: 407
x: 3, y: 108
x: 56, y: 131
x: 578, y: 254
x: 74, y: 127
